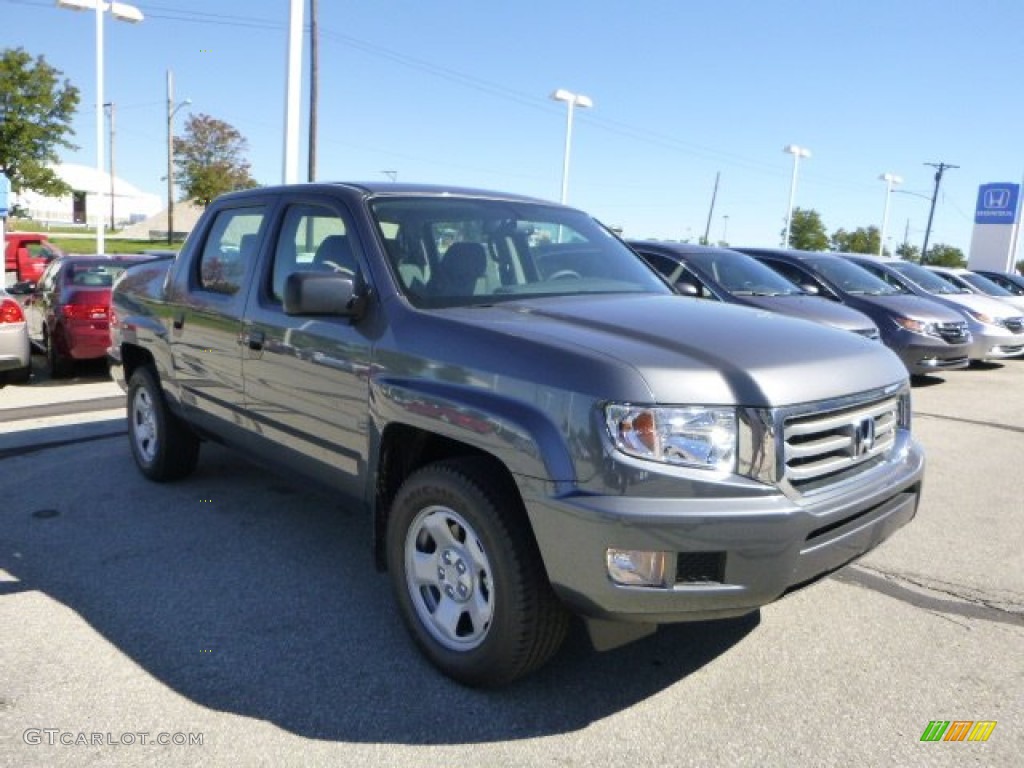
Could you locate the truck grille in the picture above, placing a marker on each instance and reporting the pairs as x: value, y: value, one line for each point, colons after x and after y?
x: 827, y: 446
x: 953, y: 333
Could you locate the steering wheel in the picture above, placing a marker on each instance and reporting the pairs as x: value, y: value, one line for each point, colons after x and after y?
x: 564, y: 273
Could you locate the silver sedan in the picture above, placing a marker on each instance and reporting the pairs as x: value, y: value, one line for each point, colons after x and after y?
x: 15, y: 357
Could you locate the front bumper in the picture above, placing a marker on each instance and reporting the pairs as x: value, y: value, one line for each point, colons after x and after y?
x: 925, y: 354
x: 766, y: 545
x: 991, y: 343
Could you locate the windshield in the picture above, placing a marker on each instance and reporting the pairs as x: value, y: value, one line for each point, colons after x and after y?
x: 93, y: 275
x: 449, y: 251
x: 742, y: 275
x: 926, y: 279
x: 849, y: 278
x: 984, y: 285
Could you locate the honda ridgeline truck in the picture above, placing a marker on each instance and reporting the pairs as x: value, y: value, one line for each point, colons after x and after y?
x: 533, y: 422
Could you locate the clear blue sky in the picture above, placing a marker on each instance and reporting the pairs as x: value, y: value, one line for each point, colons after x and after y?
x: 456, y: 92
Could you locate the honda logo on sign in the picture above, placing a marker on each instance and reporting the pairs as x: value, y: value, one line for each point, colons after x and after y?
x: 997, y: 198
x: 997, y: 203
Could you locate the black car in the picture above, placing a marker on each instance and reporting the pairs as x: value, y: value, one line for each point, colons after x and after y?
x: 736, y: 278
x: 927, y: 336
x: 1011, y: 281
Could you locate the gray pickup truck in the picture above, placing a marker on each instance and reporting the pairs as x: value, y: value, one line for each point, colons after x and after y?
x: 534, y: 423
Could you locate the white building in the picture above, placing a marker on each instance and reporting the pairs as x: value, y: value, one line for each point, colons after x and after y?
x: 83, y: 205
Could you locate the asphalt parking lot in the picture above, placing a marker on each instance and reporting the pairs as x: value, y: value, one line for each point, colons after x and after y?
x: 240, y: 608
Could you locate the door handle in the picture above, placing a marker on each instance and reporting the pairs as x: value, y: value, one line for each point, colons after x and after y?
x: 255, y: 340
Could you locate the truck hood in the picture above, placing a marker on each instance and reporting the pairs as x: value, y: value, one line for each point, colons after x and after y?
x: 816, y: 309
x: 683, y: 351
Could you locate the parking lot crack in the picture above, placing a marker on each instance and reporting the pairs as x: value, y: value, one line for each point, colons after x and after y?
x: 935, y: 596
x: 975, y: 422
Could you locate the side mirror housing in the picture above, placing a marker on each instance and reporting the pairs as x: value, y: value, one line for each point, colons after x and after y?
x: 319, y: 293
x: 810, y: 288
x: 687, y: 288
x: 22, y: 288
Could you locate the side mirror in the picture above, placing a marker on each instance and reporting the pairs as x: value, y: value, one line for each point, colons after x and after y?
x: 321, y: 293
x: 687, y: 288
x: 810, y: 288
x: 22, y: 288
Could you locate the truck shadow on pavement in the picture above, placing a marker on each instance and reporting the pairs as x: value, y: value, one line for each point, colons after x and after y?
x: 249, y: 594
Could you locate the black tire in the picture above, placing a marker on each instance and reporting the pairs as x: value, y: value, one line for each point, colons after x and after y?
x: 20, y: 375
x: 164, y: 448
x: 509, y: 621
x: 58, y: 365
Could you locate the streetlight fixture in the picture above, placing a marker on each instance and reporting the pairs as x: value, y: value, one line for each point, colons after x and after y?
x: 797, y: 153
x: 890, y: 179
x: 121, y: 12
x: 572, y: 100
x: 172, y: 110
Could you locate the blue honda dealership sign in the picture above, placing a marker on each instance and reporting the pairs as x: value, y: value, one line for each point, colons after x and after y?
x: 997, y: 203
x: 5, y: 193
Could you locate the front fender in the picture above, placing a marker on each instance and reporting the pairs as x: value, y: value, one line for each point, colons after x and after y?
x: 523, y: 436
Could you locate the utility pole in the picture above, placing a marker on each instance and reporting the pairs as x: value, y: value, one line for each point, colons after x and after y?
x: 314, y: 78
x: 940, y: 169
x: 110, y: 106
x: 711, y: 211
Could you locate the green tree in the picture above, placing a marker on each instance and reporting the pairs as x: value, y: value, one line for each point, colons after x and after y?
x: 208, y: 159
x: 806, y: 231
x: 908, y: 252
x: 861, y: 240
x: 941, y: 255
x: 1020, y: 266
x: 37, y: 110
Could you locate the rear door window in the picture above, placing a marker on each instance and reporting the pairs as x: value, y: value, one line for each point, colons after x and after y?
x: 230, y: 249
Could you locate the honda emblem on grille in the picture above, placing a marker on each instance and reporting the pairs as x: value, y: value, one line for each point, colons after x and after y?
x: 863, y: 437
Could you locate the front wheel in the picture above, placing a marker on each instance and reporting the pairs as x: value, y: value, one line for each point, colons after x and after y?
x: 163, y: 446
x: 468, y: 577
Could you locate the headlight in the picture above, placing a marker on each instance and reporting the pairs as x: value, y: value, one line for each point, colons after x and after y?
x: 689, y: 436
x: 916, y: 326
x: 981, y: 317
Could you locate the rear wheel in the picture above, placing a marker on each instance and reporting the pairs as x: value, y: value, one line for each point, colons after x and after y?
x: 163, y: 446
x: 467, y: 575
x: 59, y: 366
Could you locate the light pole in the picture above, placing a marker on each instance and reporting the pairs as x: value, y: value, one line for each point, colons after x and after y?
x: 110, y: 105
x: 572, y: 100
x: 890, y: 180
x: 121, y: 12
x: 797, y: 153
x: 725, y: 229
x: 172, y: 110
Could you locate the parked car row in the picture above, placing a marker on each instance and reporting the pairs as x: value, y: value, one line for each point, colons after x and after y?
x: 933, y: 318
x: 65, y: 315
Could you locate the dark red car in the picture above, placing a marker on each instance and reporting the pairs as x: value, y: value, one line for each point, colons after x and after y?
x: 68, y: 311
